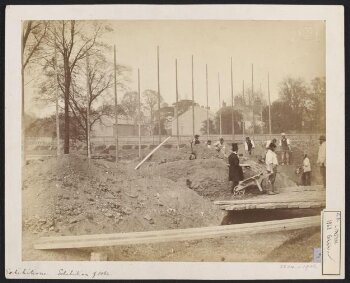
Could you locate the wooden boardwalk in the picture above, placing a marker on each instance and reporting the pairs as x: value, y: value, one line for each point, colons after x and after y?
x: 293, y: 197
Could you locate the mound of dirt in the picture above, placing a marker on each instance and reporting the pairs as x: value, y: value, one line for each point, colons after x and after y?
x: 69, y: 195
x: 207, y: 177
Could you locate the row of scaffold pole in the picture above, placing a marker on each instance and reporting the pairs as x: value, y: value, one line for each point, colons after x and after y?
x: 176, y: 104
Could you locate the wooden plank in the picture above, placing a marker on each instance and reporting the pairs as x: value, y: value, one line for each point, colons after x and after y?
x: 250, y: 206
x: 274, y: 205
x: 304, y: 205
x: 317, y: 204
x: 282, y: 205
x: 103, y: 240
x: 293, y: 205
x: 282, y: 198
x: 98, y: 256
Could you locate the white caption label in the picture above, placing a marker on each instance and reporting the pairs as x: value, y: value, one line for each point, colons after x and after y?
x: 331, y: 237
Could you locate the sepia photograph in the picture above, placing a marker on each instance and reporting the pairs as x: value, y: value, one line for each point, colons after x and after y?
x: 173, y: 140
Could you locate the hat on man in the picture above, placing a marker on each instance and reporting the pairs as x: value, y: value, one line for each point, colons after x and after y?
x: 272, y: 145
x: 322, y: 138
x: 283, y: 134
x: 234, y: 147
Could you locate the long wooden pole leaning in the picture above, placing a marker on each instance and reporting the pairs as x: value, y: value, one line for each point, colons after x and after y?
x: 153, y: 151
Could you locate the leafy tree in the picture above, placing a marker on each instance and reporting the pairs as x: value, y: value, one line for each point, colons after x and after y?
x: 46, y: 127
x: 150, y: 98
x: 130, y: 102
x: 226, y: 120
x: 318, y: 96
x: 294, y: 93
x: 184, y: 105
x: 166, y: 114
x: 212, y: 128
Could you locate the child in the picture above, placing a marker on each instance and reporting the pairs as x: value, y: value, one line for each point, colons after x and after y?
x: 249, y: 145
x: 306, y: 177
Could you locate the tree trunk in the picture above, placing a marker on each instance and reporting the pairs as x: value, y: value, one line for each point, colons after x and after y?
x: 66, y: 120
x: 66, y: 107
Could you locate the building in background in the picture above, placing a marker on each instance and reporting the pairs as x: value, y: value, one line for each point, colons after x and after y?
x: 126, y: 127
x: 185, y: 121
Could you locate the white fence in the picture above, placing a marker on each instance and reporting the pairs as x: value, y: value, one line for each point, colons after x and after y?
x: 148, y: 140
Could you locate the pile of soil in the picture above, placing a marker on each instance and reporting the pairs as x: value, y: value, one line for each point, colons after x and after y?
x: 69, y: 195
x: 207, y: 177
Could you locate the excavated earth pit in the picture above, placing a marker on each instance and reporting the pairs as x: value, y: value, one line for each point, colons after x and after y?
x: 259, y: 215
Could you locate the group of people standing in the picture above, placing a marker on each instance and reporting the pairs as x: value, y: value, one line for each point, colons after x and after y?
x: 271, y: 160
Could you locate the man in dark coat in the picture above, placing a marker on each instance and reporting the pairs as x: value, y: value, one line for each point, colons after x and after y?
x: 235, y: 171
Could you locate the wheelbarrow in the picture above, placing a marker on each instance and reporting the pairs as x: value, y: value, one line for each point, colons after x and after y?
x: 256, y: 180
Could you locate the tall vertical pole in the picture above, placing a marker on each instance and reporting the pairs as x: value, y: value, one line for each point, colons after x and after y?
x: 159, y: 129
x: 232, y: 113
x: 252, y: 97
x: 219, y: 105
x: 243, y: 94
x: 88, y: 107
x: 268, y: 93
x: 177, y: 107
x: 22, y: 108
x: 261, y: 109
x: 243, y: 128
x: 206, y: 80
x: 116, y: 108
x: 57, y: 114
x: 139, y: 109
x: 193, y: 129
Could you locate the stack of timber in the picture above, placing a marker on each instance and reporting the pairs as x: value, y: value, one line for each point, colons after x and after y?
x: 294, y: 197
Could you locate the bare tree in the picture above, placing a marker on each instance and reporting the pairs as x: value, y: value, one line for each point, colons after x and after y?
x: 74, y: 40
x: 83, y: 96
x: 33, y: 36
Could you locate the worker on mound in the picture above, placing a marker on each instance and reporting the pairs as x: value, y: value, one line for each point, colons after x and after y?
x: 235, y: 173
x: 196, y: 140
x: 271, y: 166
x: 285, y: 149
x: 220, y: 146
x: 208, y: 143
x: 249, y: 145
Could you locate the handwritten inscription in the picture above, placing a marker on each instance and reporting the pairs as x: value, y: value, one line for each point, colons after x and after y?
x: 82, y: 274
x: 331, y: 242
x: 29, y: 272
x: 304, y: 267
x: 332, y: 236
x: 24, y: 271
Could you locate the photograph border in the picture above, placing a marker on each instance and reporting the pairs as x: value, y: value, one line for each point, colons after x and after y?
x: 335, y: 77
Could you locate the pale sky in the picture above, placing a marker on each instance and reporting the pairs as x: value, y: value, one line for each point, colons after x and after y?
x: 282, y: 48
